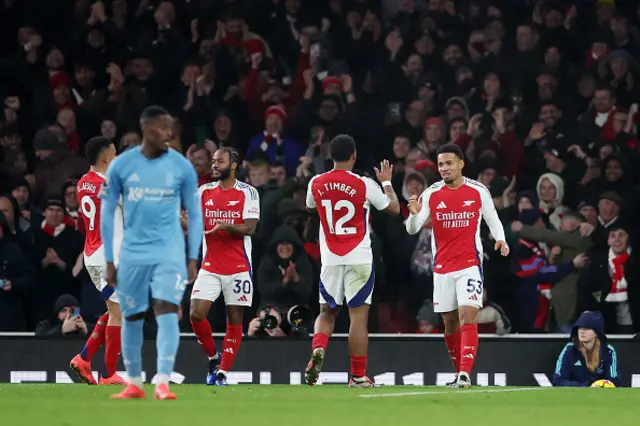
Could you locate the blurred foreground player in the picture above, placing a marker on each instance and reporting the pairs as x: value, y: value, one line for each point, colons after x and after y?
x: 154, y: 182
x: 456, y: 205
x: 100, y: 151
x: 231, y: 211
x: 343, y: 201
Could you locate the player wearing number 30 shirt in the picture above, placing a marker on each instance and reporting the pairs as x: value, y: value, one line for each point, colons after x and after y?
x: 100, y: 152
x: 343, y: 201
x: 456, y: 206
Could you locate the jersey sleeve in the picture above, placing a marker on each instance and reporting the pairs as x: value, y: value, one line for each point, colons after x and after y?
x: 490, y: 215
x: 415, y: 222
x: 375, y: 196
x: 311, y: 202
x: 251, y: 209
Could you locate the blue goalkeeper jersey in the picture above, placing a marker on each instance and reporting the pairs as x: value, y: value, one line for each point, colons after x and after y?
x: 152, y: 192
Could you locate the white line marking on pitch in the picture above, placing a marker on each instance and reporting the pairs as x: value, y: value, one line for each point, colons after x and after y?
x: 389, y: 395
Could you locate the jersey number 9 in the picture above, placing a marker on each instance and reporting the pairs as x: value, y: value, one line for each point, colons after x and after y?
x: 89, y: 210
x: 341, y: 219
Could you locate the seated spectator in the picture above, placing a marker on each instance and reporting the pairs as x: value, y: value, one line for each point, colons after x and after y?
x: 491, y: 318
x: 588, y: 357
x: 56, y: 249
x: 17, y: 277
x: 64, y: 322
x: 428, y: 321
x: 258, y: 326
x: 613, y: 278
x: 285, y: 275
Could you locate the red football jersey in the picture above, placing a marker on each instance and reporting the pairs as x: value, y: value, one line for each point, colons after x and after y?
x: 344, y: 200
x: 89, y: 205
x: 223, y: 252
x: 456, y: 217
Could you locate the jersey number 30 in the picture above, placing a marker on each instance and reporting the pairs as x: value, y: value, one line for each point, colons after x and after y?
x: 89, y: 210
x: 341, y: 219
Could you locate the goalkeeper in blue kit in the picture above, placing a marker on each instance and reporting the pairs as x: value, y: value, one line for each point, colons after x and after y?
x: 153, y: 182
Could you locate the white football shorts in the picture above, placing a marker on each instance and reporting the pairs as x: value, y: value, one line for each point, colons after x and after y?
x: 237, y: 289
x: 351, y: 282
x: 459, y: 288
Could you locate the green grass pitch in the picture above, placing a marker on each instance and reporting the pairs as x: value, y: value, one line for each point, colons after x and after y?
x: 328, y: 405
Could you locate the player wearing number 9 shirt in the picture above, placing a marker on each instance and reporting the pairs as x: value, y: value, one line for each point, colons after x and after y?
x: 100, y: 151
x: 343, y: 201
x: 456, y: 206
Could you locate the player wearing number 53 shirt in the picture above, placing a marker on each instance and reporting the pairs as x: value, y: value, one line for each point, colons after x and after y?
x: 343, y: 201
x: 100, y: 152
x: 231, y: 210
x: 456, y: 206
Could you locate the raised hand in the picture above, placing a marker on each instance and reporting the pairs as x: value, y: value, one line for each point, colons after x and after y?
x: 385, y: 172
x: 414, y: 204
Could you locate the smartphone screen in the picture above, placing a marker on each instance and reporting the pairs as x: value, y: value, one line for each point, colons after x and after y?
x: 75, y: 312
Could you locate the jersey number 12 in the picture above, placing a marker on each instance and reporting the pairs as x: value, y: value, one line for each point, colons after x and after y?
x: 338, y: 228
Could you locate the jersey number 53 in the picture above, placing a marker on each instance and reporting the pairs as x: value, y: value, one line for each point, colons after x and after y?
x: 342, y: 211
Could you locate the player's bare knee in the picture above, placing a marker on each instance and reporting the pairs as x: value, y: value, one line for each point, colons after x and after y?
x: 468, y: 315
x: 161, y: 307
x: 451, y: 322
x: 235, y: 315
x: 329, y: 312
x: 115, y: 315
x: 197, y: 311
x: 359, y: 314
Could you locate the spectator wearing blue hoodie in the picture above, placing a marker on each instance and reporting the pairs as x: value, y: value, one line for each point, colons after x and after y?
x: 272, y: 144
x: 588, y: 357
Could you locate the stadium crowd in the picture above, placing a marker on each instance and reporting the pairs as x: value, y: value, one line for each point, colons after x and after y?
x: 542, y: 96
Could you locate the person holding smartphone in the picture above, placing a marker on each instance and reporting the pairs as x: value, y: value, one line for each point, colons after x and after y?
x: 66, y: 320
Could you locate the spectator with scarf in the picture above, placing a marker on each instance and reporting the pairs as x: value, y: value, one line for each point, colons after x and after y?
x: 588, y: 357
x: 272, y: 144
x: 612, y: 282
x: 55, y: 252
x: 535, y: 276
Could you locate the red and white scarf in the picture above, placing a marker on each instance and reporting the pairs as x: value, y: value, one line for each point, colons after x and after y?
x: 51, y: 230
x: 618, y: 291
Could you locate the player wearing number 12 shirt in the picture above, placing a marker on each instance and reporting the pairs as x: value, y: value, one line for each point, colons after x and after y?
x: 343, y: 201
x: 231, y: 211
x: 100, y: 151
x: 456, y: 206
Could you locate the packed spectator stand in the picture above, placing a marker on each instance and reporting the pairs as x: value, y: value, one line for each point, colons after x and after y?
x: 542, y: 97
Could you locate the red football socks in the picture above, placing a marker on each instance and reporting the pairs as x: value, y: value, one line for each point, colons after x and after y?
x: 320, y: 340
x: 96, y: 339
x: 358, y: 365
x: 453, y: 346
x: 469, y: 344
x: 232, y: 340
x: 202, y: 329
x: 112, y: 349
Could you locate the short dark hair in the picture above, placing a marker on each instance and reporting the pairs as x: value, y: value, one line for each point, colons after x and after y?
x: 342, y: 147
x: 259, y: 163
x: 151, y: 112
x: 95, y: 147
x: 451, y: 148
x: 278, y: 163
x: 234, y: 157
x: 606, y: 87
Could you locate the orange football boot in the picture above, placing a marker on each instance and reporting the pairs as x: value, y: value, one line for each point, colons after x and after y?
x: 83, y: 369
x: 162, y: 392
x: 113, y: 380
x: 130, y: 392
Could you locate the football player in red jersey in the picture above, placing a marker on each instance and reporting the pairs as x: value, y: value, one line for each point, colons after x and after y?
x: 100, y: 151
x: 456, y: 206
x: 231, y: 211
x: 343, y: 201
